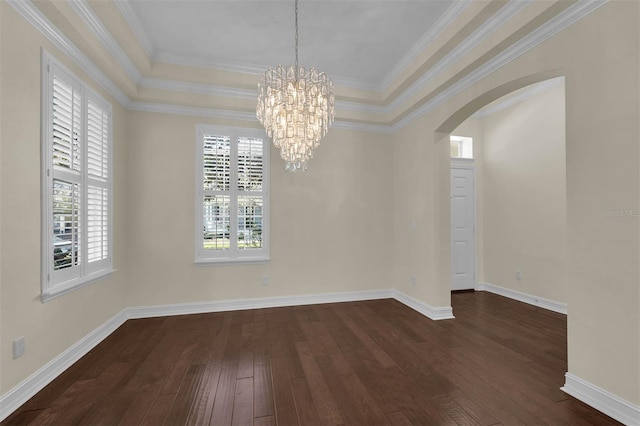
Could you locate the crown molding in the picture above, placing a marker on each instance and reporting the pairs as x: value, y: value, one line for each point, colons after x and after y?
x: 556, y: 24
x: 241, y: 115
x: 192, y: 111
x: 491, y: 25
x: 362, y: 127
x: 103, y: 35
x: 189, y: 61
x: 208, y: 89
x: 134, y: 23
x: 572, y: 14
x: 445, y: 20
x: 31, y: 13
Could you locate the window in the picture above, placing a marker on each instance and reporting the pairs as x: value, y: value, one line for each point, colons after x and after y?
x: 461, y: 147
x: 232, y: 204
x: 76, y: 195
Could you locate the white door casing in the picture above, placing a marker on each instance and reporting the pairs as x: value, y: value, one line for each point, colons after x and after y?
x: 462, y: 228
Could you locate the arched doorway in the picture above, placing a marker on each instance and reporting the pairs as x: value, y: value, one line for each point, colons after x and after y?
x: 444, y: 194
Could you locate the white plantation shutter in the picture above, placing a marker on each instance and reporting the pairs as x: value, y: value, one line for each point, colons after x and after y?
x: 66, y: 124
x: 250, y: 164
x: 232, y: 202
x: 77, y: 194
x: 97, y: 181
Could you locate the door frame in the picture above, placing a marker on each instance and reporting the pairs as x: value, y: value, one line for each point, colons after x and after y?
x: 467, y: 164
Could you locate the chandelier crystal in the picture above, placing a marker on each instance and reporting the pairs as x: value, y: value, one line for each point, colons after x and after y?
x: 296, y: 109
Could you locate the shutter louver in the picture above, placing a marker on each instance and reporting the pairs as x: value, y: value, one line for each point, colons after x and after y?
x: 98, y: 174
x: 97, y: 224
x: 250, y: 164
x: 217, y: 163
x: 97, y: 141
x: 66, y: 224
x: 66, y: 126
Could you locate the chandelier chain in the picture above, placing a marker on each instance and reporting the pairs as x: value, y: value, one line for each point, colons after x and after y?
x: 296, y: 38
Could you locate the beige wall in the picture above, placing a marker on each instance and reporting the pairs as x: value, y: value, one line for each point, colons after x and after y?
x: 522, y: 193
x: 52, y: 327
x: 333, y: 223
x: 330, y: 226
x: 599, y: 57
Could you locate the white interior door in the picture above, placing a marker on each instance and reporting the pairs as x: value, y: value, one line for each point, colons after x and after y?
x: 462, y: 229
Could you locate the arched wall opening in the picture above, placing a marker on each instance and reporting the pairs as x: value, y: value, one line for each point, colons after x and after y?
x: 519, y: 169
x: 443, y: 166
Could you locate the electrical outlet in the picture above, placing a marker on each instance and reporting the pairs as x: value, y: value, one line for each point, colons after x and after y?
x: 266, y: 280
x: 18, y: 347
x: 519, y: 275
x: 413, y: 280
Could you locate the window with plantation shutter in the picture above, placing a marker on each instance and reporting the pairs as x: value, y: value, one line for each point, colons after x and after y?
x: 232, y: 215
x: 76, y: 153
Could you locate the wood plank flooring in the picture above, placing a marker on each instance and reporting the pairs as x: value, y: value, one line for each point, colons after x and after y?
x: 361, y: 363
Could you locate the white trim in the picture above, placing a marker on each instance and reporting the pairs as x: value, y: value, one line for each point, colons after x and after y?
x: 22, y: 392
x: 192, y: 111
x: 364, y: 127
x: 84, y: 11
x: 443, y: 22
x: 243, y: 116
x: 556, y: 24
x: 602, y: 400
x: 431, y: 312
x: 459, y: 51
x: 14, y: 398
x: 540, y: 302
x: 254, y: 303
x: 199, y: 88
x: 31, y: 13
x: 136, y: 26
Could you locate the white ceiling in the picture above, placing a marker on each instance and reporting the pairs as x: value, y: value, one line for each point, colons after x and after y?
x: 351, y: 40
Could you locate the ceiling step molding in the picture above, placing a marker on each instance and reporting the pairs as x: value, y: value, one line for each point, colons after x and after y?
x: 136, y: 26
x: 103, y: 35
x: 492, y: 25
x: 570, y: 15
x: 556, y: 24
x: 429, y: 37
x: 200, y: 88
x: 33, y: 15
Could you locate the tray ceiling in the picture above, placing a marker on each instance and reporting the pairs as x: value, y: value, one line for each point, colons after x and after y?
x: 350, y: 40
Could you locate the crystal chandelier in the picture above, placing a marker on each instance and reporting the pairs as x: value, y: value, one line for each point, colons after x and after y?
x: 295, y: 108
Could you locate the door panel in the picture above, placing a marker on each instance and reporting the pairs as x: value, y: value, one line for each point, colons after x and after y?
x: 462, y: 229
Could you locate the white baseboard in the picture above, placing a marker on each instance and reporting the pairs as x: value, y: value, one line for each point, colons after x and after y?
x: 434, y: 313
x: 258, y: 303
x: 21, y: 393
x: 540, y: 302
x: 606, y: 402
x: 12, y: 400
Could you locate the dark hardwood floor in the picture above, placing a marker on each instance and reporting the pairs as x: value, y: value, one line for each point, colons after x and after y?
x: 360, y: 363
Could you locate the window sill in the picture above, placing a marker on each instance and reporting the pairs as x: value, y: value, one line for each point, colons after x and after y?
x: 62, y: 289
x: 204, y: 261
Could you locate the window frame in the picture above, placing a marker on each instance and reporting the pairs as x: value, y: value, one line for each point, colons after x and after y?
x: 85, y: 273
x: 465, y: 147
x: 233, y: 254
